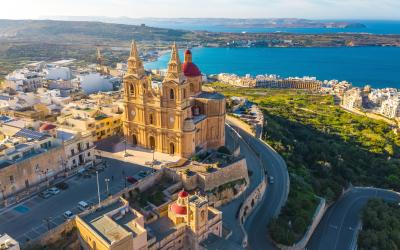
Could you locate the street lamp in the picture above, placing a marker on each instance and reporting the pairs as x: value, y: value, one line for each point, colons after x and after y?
x: 3, y: 197
x: 98, y: 186
x: 107, y: 180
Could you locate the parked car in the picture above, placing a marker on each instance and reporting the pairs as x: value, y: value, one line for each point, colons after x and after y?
x: 53, y: 190
x: 131, y: 180
x: 83, y: 205
x: 62, y: 185
x: 271, y: 180
x: 68, y: 215
x: 45, y: 194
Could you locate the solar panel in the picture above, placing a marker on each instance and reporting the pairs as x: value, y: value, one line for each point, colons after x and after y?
x: 28, y: 133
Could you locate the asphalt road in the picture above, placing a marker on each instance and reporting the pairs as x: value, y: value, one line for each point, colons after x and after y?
x: 338, y: 228
x: 30, y: 219
x: 230, y: 210
x: 275, y: 196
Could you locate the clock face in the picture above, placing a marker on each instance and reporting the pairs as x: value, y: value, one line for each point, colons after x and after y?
x: 133, y: 113
x: 171, y: 119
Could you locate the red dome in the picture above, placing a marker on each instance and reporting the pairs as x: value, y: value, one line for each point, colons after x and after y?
x: 190, y: 69
x: 179, y: 210
x: 47, y: 126
x: 183, y: 194
x: 188, y: 52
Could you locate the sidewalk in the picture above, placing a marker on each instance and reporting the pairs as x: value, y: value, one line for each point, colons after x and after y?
x: 137, y: 155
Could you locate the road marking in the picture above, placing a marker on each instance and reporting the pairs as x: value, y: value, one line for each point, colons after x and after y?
x: 333, y: 226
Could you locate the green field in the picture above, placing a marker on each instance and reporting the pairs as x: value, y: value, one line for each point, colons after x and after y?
x: 326, y: 149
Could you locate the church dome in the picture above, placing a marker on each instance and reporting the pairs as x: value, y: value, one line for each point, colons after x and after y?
x: 190, y: 69
x: 178, y: 210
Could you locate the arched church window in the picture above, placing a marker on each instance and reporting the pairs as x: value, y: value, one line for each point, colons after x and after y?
x: 184, y: 93
x: 171, y: 94
x: 151, y: 119
x: 131, y: 89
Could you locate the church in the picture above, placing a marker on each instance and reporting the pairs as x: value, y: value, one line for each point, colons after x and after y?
x: 175, y: 116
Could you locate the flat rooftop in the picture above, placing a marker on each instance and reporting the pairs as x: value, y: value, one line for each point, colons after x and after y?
x: 111, y: 224
x: 161, y: 228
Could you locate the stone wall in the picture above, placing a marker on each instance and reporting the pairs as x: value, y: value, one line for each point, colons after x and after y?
x: 211, y: 182
x: 232, y: 172
x: 319, y: 213
x: 249, y: 205
x: 53, y: 235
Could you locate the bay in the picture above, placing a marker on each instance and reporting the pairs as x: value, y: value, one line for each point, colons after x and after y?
x: 372, y: 27
x: 376, y: 66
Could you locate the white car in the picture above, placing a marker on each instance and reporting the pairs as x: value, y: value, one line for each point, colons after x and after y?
x: 53, y: 190
x: 271, y: 179
x: 68, y: 215
x: 83, y: 205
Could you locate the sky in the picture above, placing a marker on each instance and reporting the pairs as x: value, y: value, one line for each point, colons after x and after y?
x: 311, y: 9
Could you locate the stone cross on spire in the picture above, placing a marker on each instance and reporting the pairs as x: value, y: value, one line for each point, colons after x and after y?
x: 135, y: 65
x: 174, y: 72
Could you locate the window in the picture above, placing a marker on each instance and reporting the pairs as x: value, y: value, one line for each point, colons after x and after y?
x: 73, y: 162
x: 151, y: 119
x: 72, y: 151
x: 87, y: 144
x: 37, y: 168
x: 88, y: 154
x: 171, y: 94
x: 108, y: 123
x: 12, y: 180
x: 132, y: 89
x: 184, y: 93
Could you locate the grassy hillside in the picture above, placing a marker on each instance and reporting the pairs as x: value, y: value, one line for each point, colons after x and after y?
x: 326, y: 149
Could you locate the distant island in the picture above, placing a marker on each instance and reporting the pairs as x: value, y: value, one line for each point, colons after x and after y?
x: 218, y: 22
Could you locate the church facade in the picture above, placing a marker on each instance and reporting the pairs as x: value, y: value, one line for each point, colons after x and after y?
x: 176, y: 116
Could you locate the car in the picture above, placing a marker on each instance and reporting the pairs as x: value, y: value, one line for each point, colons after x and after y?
x: 131, y: 180
x: 68, y: 215
x: 45, y: 194
x: 62, y: 185
x: 53, y: 190
x: 83, y: 205
x: 271, y: 180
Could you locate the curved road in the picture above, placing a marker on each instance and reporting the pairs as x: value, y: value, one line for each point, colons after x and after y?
x: 275, y: 196
x: 230, y: 210
x: 338, y: 228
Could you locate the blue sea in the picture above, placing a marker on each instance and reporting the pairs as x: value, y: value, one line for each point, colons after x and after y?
x: 377, y: 66
x: 372, y: 26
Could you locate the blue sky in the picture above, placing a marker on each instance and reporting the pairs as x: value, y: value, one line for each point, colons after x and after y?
x: 313, y: 9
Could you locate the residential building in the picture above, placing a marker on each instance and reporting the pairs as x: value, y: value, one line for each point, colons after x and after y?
x: 176, y: 116
x: 23, y: 80
x: 353, y: 99
x: 79, y: 149
x: 100, y: 120
x: 28, y: 161
x: 391, y: 107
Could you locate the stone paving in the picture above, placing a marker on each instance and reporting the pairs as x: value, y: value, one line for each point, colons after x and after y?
x: 116, y: 149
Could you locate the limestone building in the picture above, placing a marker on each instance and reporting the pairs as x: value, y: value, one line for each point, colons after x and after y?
x: 187, y: 222
x: 175, y: 116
